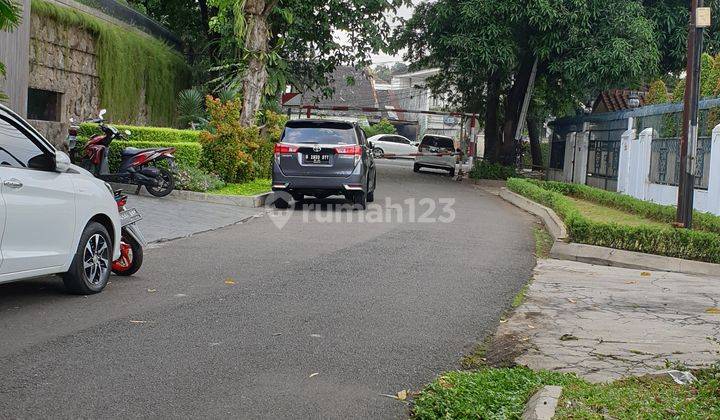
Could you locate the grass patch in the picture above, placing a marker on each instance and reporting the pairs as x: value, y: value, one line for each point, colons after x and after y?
x: 520, y: 297
x: 543, y: 242
x: 255, y: 187
x: 502, y: 394
x: 604, y: 214
x: 652, y: 237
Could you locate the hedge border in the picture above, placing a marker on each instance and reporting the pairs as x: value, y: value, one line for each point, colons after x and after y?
x: 153, y: 134
x: 679, y: 243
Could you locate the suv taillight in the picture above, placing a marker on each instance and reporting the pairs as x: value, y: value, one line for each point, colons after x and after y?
x: 284, y: 149
x: 349, y: 150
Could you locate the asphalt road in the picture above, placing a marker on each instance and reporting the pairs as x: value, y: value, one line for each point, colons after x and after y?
x: 315, y: 320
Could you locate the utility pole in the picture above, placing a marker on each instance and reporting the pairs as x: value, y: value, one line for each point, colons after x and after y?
x: 699, y: 19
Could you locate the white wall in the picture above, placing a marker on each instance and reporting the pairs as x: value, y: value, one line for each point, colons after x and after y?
x: 634, y: 173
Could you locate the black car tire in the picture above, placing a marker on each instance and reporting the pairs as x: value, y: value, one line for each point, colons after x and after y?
x: 416, y: 168
x: 77, y: 279
x: 371, y: 196
x: 281, y: 203
x: 360, y: 199
x: 378, y: 153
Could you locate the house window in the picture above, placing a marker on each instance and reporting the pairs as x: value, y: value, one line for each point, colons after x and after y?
x: 43, y: 105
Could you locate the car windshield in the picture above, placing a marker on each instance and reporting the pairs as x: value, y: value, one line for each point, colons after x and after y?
x: 440, y: 142
x: 327, y: 133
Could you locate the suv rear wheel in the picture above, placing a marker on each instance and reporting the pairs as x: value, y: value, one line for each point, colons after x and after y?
x: 416, y: 168
x: 360, y: 200
x: 90, y: 268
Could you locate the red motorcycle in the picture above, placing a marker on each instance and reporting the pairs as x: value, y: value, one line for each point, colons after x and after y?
x: 137, y: 166
x: 131, y: 240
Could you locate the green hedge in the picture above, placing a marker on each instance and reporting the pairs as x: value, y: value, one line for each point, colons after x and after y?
x: 154, y: 134
x: 680, y: 243
x: 187, y: 154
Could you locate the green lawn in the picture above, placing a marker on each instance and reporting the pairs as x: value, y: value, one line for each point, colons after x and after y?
x: 255, y: 187
x: 502, y: 394
x: 603, y: 214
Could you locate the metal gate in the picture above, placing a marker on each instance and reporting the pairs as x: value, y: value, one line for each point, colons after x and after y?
x: 604, y: 153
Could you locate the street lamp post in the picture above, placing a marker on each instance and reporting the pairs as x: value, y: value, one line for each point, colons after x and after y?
x: 699, y: 19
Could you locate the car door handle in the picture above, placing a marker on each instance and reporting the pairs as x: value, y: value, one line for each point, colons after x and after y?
x: 13, y: 183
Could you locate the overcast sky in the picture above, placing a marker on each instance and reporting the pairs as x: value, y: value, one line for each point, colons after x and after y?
x: 404, y: 12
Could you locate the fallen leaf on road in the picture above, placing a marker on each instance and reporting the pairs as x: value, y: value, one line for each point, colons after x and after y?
x: 402, y: 395
x: 180, y: 295
x: 567, y: 337
x: 314, y: 374
x: 277, y: 334
x: 316, y: 336
x: 571, y: 301
x: 133, y: 321
x: 645, y: 274
x: 502, y: 321
x: 531, y: 327
x: 630, y: 282
x: 230, y: 282
x: 152, y: 290
x: 713, y: 311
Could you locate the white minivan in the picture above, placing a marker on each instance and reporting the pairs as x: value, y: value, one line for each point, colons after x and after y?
x: 55, y: 218
x: 438, y: 152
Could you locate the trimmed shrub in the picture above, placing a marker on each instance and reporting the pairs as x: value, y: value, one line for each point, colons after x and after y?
x: 485, y: 170
x: 382, y: 127
x: 228, y: 147
x: 679, y: 243
x: 151, y: 134
x: 195, y: 179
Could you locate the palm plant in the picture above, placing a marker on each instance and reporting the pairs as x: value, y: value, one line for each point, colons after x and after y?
x: 191, y: 108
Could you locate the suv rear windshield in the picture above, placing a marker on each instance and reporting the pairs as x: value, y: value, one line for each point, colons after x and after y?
x: 439, y: 142
x: 326, y: 132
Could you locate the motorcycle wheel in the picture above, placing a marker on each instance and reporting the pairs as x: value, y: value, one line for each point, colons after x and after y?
x: 131, y: 257
x: 167, y: 184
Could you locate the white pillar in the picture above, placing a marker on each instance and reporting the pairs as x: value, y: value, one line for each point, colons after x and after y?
x: 582, y: 140
x: 639, y: 181
x: 627, y: 141
x: 714, y: 181
x: 569, y: 164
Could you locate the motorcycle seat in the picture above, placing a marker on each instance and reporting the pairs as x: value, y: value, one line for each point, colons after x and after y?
x: 130, y: 151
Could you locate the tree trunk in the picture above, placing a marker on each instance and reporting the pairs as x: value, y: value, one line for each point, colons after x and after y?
x: 492, y: 106
x: 513, y: 109
x: 256, y: 46
x: 205, y: 17
x: 534, y: 126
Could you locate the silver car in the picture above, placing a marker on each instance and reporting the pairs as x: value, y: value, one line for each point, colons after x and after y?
x: 438, y: 152
x: 321, y: 158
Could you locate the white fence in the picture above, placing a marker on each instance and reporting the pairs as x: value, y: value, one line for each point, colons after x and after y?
x: 634, y: 172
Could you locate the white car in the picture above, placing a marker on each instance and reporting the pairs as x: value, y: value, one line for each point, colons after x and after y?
x: 391, y: 144
x: 55, y: 218
x: 439, y: 152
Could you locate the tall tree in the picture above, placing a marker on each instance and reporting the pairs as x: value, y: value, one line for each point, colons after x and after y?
x: 487, y: 48
x: 297, y: 42
x: 9, y: 18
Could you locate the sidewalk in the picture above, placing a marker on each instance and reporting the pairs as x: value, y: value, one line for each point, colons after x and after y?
x: 605, y: 323
x: 168, y: 218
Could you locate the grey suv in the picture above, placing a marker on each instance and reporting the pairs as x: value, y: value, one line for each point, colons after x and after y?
x: 321, y: 158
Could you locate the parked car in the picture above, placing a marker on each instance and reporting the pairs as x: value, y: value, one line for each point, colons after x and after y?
x: 391, y: 144
x: 55, y: 217
x: 434, y: 146
x: 321, y: 158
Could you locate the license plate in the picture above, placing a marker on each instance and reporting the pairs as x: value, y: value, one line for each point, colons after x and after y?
x: 316, y: 158
x: 128, y: 217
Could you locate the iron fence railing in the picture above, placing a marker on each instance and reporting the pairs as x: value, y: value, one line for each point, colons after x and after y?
x: 665, y: 162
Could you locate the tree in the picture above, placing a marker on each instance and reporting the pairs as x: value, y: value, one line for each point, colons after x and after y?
x: 487, y: 49
x: 9, y: 18
x: 281, y: 42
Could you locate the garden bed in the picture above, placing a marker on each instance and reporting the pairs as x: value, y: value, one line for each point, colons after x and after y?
x: 607, y: 219
x: 250, y: 188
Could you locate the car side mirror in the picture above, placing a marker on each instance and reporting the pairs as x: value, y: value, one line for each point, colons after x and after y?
x: 370, y: 145
x: 62, y: 161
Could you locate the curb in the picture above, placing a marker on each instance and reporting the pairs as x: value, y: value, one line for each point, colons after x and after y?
x: 552, y: 221
x: 229, y: 200
x: 542, y: 404
x: 598, y: 255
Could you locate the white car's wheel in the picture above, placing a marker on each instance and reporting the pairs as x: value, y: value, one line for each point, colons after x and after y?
x: 90, y: 268
x: 378, y: 153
